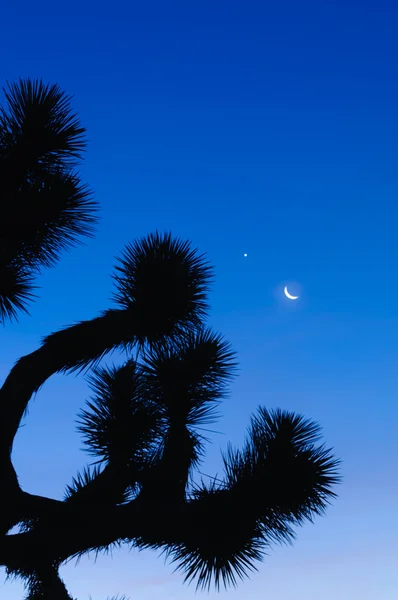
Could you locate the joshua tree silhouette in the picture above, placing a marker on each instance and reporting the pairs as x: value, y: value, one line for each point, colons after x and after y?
x: 144, y: 421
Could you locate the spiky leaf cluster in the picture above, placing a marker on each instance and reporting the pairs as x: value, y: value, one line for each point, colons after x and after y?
x: 165, y: 281
x: 282, y: 467
x: 188, y: 376
x: 278, y: 480
x: 121, y: 422
x: 45, y: 209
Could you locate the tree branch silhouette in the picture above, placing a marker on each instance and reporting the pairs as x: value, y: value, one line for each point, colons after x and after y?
x: 143, y: 423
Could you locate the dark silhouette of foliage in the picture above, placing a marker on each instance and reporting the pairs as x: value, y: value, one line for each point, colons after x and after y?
x: 45, y: 209
x: 144, y: 422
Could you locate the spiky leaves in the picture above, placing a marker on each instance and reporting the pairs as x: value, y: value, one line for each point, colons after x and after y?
x: 186, y: 378
x: 147, y: 413
x: 44, y: 207
x: 121, y: 424
x: 48, y: 215
x: 16, y: 289
x: 217, y: 544
x: 82, y: 481
x: 38, y: 125
x: 166, y: 282
x: 280, y: 479
x: 42, y: 583
x: 122, y: 428
x: 46, y: 584
x: 282, y: 474
x: 111, y: 486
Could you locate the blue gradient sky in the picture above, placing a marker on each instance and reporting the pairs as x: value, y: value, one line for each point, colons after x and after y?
x: 249, y: 127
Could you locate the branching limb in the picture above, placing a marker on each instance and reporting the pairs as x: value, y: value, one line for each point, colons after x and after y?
x: 161, y: 288
x: 279, y: 479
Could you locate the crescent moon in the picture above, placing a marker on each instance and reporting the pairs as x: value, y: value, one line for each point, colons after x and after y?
x: 289, y: 295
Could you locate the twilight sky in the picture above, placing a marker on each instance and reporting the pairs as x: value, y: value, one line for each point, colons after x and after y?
x: 266, y: 128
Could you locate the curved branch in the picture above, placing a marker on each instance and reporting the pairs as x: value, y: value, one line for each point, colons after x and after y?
x: 75, y: 530
x: 72, y: 348
x: 202, y: 526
